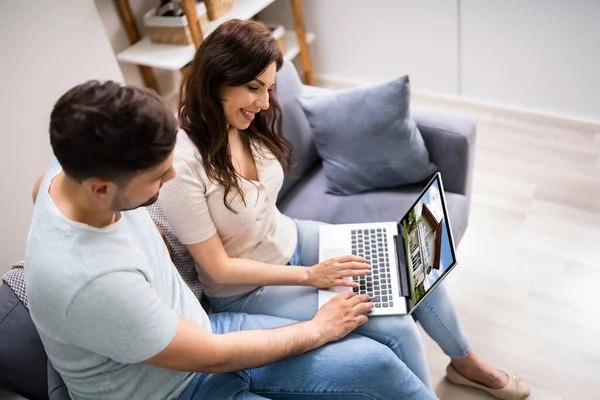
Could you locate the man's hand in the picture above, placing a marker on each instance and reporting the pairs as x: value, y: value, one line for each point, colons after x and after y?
x: 341, y: 315
x: 332, y: 272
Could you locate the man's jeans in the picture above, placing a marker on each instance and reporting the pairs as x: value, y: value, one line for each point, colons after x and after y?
x: 351, y: 369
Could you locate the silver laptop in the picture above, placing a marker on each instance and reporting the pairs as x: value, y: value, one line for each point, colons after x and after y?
x: 409, y: 258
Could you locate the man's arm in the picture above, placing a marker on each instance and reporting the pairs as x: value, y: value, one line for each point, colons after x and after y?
x: 36, y: 186
x: 195, y: 349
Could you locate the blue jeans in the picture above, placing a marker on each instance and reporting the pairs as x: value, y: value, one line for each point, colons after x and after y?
x: 436, y: 314
x: 330, y: 372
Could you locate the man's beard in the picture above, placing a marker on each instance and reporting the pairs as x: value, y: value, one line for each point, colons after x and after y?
x: 122, y: 204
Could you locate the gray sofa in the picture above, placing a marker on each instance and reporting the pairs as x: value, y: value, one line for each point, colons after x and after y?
x: 451, y: 144
x: 450, y: 141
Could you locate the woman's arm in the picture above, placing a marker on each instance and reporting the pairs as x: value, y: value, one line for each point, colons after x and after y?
x: 213, y: 259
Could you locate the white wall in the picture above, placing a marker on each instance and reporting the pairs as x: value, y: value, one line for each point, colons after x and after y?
x: 540, y: 55
x: 380, y: 40
x: 47, y: 47
x: 536, y: 54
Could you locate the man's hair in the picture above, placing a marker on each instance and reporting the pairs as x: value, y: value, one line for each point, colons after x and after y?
x: 106, y: 130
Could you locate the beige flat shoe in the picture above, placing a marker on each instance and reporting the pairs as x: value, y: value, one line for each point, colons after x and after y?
x: 516, y: 389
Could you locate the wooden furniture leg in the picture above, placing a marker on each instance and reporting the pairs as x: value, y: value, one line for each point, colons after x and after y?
x: 189, y: 7
x: 301, y: 33
x: 134, y: 37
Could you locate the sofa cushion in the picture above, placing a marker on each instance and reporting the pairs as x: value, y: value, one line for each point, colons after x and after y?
x: 15, y: 279
x: 367, y: 138
x: 295, y: 126
x: 182, y: 258
x: 22, y: 355
x: 310, y: 200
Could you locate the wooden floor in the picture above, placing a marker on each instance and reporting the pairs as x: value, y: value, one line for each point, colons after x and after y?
x: 527, y: 288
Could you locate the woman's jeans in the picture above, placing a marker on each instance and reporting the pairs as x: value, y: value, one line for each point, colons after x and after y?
x: 354, y: 368
x: 399, y: 333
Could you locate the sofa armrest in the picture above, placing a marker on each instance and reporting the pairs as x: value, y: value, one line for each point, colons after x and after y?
x: 57, y: 390
x: 450, y: 141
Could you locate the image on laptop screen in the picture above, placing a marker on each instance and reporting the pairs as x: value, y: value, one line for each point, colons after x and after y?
x: 427, y: 242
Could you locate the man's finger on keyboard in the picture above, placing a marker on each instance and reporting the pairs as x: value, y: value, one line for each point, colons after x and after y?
x: 358, y: 299
x: 363, y: 308
x: 345, y: 295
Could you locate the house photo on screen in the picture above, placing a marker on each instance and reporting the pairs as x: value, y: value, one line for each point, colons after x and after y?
x: 427, y: 242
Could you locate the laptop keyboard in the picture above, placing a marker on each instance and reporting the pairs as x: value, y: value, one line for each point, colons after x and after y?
x: 371, y: 244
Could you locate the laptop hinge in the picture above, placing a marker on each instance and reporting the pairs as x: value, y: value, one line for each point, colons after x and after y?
x: 401, y: 263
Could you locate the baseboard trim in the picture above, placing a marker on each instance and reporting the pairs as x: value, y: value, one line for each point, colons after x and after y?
x: 468, y: 104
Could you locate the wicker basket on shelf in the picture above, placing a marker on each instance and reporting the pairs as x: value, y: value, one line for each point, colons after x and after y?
x: 217, y: 8
x: 174, y: 30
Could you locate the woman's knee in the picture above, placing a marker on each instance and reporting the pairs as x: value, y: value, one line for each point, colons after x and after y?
x: 388, y: 374
x: 398, y: 327
x: 308, y: 236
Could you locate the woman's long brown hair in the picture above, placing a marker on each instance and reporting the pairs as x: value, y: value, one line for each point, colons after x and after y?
x: 233, y: 55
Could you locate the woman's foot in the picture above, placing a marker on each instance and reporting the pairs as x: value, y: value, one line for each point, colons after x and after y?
x: 474, y: 372
x: 475, y: 369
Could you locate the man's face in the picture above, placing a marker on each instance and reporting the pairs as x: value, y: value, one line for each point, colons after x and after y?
x: 143, y: 189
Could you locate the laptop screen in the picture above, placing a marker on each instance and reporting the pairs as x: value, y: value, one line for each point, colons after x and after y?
x: 428, y: 241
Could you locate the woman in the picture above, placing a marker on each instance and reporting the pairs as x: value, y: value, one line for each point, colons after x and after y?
x: 251, y: 258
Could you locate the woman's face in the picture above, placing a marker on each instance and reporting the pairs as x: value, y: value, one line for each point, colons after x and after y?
x: 242, y: 103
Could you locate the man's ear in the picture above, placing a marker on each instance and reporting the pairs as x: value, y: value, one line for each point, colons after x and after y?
x: 100, y: 189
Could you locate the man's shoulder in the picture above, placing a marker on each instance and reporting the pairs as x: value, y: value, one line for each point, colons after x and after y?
x: 62, y: 255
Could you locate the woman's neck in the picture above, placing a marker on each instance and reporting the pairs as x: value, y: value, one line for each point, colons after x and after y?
x: 233, y: 132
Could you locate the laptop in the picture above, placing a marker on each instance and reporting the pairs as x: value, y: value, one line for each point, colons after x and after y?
x: 408, y: 258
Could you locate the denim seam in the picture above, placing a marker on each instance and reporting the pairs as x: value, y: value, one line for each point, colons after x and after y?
x: 322, y: 393
x: 448, y: 331
x: 244, y: 377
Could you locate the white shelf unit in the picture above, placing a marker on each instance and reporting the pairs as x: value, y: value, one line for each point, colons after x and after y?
x: 174, y: 57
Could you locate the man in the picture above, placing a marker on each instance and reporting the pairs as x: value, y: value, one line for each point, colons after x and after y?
x: 115, y: 317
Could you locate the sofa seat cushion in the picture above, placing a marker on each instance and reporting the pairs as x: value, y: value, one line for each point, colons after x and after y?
x: 309, y: 199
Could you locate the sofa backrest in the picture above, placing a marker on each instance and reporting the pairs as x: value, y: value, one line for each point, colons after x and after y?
x: 183, y: 260
x: 296, y: 128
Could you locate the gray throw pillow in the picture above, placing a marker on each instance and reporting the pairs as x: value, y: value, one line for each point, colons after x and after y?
x: 367, y: 138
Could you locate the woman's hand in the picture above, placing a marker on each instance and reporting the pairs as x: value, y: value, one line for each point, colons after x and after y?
x: 333, y: 271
